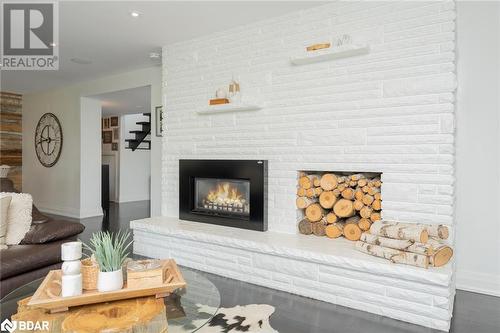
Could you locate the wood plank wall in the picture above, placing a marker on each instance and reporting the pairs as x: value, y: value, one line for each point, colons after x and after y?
x: 11, y: 135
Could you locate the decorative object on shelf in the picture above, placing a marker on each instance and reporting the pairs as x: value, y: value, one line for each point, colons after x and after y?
x: 413, y: 244
x: 110, y: 251
x: 107, y: 137
x: 114, y: 146
x: 344, y: 40
x: 234, y: 91
x: 48, y: 140
x: 144, y: 273
x: 218, y: 101
x: 48, y: 296
x: 114, y: 121
x: 318, y: 46
x: 105, y: 123
x: 71, y: 280
x: 221, y: 93
x: 338, y: 204
x: 159, y: 120
x: 346, y: 51
x: 4, y: 171
x: 90, y: 271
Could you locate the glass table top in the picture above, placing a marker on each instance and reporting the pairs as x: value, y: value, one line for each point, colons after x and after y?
x: 187, y: 309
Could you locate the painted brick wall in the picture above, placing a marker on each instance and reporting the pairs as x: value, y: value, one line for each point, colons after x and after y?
x: 390, y: 111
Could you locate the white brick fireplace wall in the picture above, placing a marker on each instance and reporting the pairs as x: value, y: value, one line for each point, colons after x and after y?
x: 390, y: 111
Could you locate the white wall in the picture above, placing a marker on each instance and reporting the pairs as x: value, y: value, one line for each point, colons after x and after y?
x: 390, y: 111
x: 57, y: 189
x: 478, y: 147
x: 90, y: 161
x: 135, y: 166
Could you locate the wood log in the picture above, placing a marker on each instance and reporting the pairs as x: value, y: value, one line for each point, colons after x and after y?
x: 365, y: 189
x: 301, y: 192
x: 387, y: 229
x: 342, y: 187
x: 334, y: 230
x: 433, y: 230
x: 344, y: 208
x: 372, y: 190
x: 342, y: 179
x: 304, y: 202
x: 377, y: 204
x: 358, y: 205
x: 378, y: 196
x: 348, y: 194
x: 395, y: 256
x: 305, y: 227
x: 398, y: 244
x: 364, y: 224
x: 307, y: 181
x: 351, y: 229
x: 315, y: 212
x: 376, y: 182
x: 357, y: 176
x: 318, y: 228
x: 331, y: 218
x: 358, y: 194
x: 328, y: 181
x: 317, y: 181
x: 313, y: 192
x: 441, y: 257
x: 375, y: 216
x: 366, y: 212
x: 353, y: 183
x: 336, y: 192
x: 362, y: 182
x: 367, y: 199
x: 327, y: 199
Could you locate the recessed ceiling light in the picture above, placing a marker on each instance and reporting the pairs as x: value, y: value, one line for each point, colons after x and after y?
x: 135, y: 13
x: 81, y: 61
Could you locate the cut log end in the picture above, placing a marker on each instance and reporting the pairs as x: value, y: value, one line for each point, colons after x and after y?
x: 344, y: 208
x: 328, y: 181
x: 315, y: 212
x: 442, y: 256
x: 327, y: 199
x: 305, y: 227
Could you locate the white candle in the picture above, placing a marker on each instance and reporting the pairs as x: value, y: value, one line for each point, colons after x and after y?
x: 71, y: 251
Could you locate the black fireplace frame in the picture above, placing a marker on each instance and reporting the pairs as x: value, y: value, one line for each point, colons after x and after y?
x: 255, y: 171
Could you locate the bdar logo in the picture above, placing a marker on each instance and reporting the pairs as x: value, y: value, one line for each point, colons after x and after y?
x: 8, y: 326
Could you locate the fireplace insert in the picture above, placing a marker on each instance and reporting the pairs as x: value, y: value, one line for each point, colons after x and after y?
x: 224, y: 192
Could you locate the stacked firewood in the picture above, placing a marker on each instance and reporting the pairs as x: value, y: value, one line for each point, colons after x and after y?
x: 413, y: 244
x: 338, y: 204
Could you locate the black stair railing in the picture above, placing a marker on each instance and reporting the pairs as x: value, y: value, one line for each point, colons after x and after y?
x: 140, y: 135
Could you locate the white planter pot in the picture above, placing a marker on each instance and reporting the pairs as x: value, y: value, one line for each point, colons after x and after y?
x: 110, y: 281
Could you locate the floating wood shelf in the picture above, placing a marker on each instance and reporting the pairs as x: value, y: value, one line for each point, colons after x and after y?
x: 229, y: 107
x: 331, y: 54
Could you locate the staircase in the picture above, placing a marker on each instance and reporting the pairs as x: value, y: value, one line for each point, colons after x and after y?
x: 139, y: 142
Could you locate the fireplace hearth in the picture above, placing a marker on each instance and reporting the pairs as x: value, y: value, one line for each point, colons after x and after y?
x: 224, y: 192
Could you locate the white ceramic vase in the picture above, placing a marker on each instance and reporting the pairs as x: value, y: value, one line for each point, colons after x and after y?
x: 110, y: 281
x: 71, y: 285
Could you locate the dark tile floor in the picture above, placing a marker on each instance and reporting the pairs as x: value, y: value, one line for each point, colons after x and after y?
x: 473, y: 313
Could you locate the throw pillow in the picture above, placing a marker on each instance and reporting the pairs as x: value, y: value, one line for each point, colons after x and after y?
x: 18, y: 216
x: 4, y: 208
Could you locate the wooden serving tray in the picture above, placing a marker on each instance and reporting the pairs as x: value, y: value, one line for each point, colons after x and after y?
x: 47, y: 296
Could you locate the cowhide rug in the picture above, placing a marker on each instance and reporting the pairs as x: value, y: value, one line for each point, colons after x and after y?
x: 246, y: 318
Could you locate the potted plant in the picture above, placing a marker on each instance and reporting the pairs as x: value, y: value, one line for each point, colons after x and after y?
x: 110, y: 251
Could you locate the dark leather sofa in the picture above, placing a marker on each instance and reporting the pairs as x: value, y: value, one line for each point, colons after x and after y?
x: 39, y: 251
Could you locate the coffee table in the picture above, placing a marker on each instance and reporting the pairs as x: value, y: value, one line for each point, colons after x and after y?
x: 187, y: 309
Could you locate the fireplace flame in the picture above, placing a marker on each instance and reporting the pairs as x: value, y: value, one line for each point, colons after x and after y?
x: 225, y: 194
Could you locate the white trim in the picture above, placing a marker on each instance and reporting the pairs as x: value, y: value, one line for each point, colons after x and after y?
x: 69, y: 212
x: 482, y: 283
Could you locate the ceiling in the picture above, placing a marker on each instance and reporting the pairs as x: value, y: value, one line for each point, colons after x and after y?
x: 129, y: 101
x: 105, y: 33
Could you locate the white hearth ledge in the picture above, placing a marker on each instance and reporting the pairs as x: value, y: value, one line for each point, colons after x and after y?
x: 316, y: 267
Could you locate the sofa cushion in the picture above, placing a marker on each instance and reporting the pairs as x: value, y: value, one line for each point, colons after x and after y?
x: 52, y: 230
x: 18, y: 216
x: 19, y: 259
x: 4, y: 209
x: 6, y: 185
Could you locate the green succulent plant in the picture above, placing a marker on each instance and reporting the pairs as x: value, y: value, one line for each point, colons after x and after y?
x: 109, y: 249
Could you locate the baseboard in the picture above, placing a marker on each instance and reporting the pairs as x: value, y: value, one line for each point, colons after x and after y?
x: 69, y: 212
x: 482, y: 283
